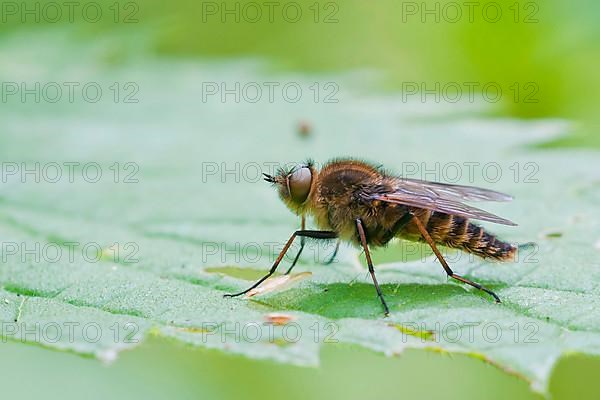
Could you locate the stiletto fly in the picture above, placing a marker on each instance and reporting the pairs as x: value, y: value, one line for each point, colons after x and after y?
x: 359, y: 203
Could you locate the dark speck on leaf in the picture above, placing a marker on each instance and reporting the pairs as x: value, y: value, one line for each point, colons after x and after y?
x: 304, y: 129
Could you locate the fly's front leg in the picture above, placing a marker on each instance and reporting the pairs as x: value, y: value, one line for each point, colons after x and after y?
x: 335, y: 251
x: 302, y: 241
x: 301, y: 233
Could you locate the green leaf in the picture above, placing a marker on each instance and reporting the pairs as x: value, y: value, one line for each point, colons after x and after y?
x: 156, y: 256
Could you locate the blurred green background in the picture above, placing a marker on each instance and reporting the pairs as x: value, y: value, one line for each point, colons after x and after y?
x: 160, y: 369
x: 553, y: 45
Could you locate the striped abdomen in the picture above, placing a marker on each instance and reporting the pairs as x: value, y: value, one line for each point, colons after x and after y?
x: 457, y: 232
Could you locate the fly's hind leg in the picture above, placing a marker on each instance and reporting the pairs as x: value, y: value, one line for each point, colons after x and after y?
x: 445, y: 265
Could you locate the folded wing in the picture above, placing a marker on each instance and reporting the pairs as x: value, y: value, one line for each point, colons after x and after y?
x: 458, y: 192
x: 443, y: 198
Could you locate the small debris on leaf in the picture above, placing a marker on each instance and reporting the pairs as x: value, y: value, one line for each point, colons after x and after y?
x: 279, y: 282
x: 304, y: 129
x: 279, y: 318
x: 550, y: 234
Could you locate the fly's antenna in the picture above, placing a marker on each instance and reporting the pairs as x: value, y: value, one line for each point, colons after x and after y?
x: 269, y: 178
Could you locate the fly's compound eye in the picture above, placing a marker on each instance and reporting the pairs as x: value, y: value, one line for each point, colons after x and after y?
x: 299, y: 184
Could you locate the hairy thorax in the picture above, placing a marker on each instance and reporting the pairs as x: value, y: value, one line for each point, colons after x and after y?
x: 337, y: 202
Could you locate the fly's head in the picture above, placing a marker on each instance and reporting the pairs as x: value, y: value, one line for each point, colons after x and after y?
x: 295, y: 185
